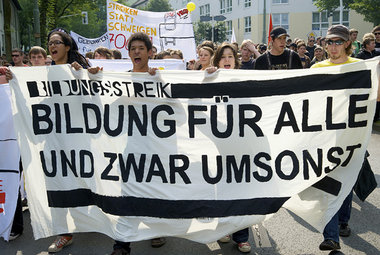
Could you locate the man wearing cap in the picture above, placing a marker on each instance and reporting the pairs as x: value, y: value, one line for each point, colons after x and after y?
x: 278, y: 57
x: 339, y: 49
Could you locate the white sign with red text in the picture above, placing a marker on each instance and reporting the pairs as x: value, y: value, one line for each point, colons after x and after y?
x: 167, y: 30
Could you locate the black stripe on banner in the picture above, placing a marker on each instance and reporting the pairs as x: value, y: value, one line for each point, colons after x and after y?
x: 173, y: 209
x: 7, y: 140
x: 8, y: 171
x: 286, y: 86
x: 329, y: 185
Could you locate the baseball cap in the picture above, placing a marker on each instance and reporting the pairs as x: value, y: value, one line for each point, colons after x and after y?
x: 338, y: 31
x: 277, y: 32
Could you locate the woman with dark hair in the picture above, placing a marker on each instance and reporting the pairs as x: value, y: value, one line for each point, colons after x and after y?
x: 226, y: 57
x: 64, y: 50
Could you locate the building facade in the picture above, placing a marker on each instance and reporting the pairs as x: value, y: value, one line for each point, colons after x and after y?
x: 300, y: 17
x: 13, y: 6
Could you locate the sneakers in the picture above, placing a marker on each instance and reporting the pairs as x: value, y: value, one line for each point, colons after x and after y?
x: 244, y: 247
x: 13, y: 236
x: 158, y: 242
x: 225, y: 239
x: 344, y: 230
x: 60, y: 243
x: 120, y: 251
x: 329, y: 245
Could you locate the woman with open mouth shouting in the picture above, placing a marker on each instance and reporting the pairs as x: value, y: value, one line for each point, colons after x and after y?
x: 225, y: 57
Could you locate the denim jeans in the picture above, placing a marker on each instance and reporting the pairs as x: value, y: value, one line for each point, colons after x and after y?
x: 331, y: 231
x: 241, y: 236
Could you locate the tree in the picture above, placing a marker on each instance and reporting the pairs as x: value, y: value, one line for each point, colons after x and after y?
x: 158, y: 6
x: 203, y: 31
x: 370, y: 9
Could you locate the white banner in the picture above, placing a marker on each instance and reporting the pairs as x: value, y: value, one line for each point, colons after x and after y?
x: 9, y: 164
x: 122, y: 65
x: 168, y: 30
x: 90, y: 44
x: 187, y: 154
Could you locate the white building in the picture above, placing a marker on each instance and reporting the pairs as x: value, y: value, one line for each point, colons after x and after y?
x: 299, y: 17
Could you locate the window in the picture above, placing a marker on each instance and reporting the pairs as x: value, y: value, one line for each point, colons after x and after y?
x: 320, y: 21
x: 225, y: 6
x: 281, y: 19
x: 247, y: 3
x: 345, y: 19
x: 280, y: 1
x: 205, y: 10
x: 229, y: 28
x: 247, y: 24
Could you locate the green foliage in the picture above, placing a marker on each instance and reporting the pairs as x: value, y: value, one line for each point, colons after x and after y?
x: 158, y: 6
x: 65, y: 14
x: 203, y: 31
x: 370, y: 9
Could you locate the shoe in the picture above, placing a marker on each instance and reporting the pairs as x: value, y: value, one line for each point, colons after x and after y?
x: 13, y: 236
x: 120, y: 251
x: 225, y: 239
x: 158, y: 242
x: 244, y: 247
x: 60, y: 243
x: 344, y: 230
x: 329, y: 245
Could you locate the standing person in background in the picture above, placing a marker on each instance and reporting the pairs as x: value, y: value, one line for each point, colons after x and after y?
x: 356, y: 46
x: 205, y: 56
x: 18, y: 57
x: 248, y: 54
x: 226, y: 58
x: 368, y: 51
x: 311, y: 46
x: 278, y: 57
x: 301, y: 50
x: 376, y: 32
x: 339, y: 49
x: 103, y: 53
x: 319, y: 55
x: 37, y: 56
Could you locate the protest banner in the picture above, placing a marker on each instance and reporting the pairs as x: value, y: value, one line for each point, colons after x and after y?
x: 90, y: 44
x: 167, y: 29
x: 9, y: 164
x: 188, y: 154
x: 122, y: 65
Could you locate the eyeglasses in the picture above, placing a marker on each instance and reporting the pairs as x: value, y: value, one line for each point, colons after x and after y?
x: 15, y: 56
x: 55, y: 43
x: 336, y: 42
x: 376, y: 33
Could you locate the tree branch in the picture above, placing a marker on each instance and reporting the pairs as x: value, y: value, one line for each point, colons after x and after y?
x: 64, y: 8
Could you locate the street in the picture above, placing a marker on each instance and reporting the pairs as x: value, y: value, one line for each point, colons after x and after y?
x: 284, y: 233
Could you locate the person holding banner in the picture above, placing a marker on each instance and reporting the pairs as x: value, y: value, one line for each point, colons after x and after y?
x: 226, y: 58
x: 139, y: 51
x: 339, y: 49
x: 63, y: 50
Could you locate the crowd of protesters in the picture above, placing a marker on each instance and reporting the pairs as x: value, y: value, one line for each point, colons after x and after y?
x: 339, y: 46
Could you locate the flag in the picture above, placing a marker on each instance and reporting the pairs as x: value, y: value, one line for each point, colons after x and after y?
x: 270, y: 27
x: 233, y: 37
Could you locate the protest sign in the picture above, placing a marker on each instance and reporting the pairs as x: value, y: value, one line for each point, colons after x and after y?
x: 90, y: 44
x: 9, y: 164
x: 188, y: 154
x: 166, y: 29
x: 118, y: 65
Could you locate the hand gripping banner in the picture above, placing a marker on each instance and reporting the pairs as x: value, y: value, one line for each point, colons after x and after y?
x: 188, y: 154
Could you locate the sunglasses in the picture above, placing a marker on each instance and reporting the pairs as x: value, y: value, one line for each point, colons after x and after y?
x: 376, y: 33
x: 14, y: 56
x: 336, y: 42
x: 55, y: 43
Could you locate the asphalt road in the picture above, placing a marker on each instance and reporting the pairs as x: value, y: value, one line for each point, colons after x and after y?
x: 283, y: 234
